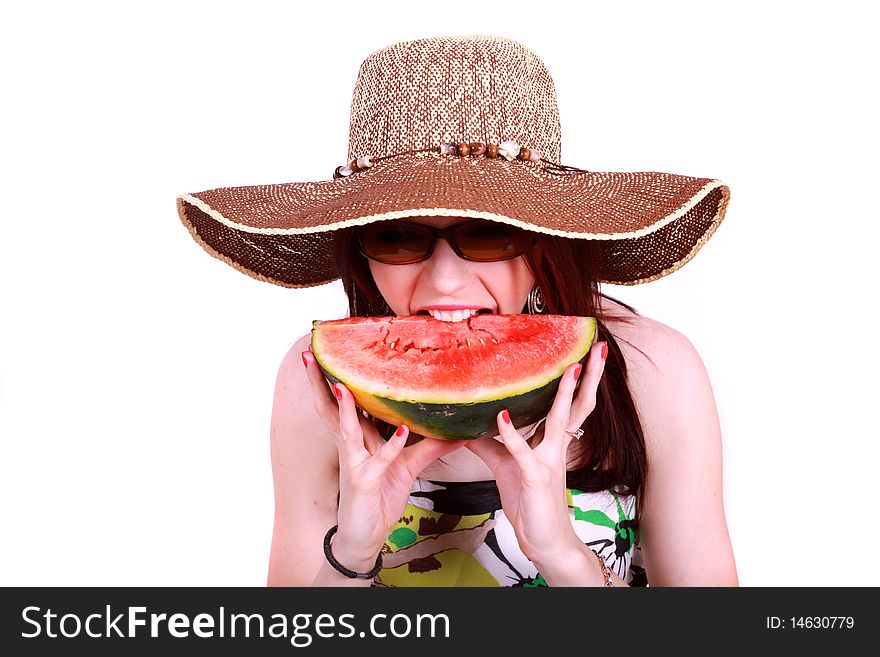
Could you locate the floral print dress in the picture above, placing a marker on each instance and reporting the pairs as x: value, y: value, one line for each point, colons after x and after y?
x: 456, y: 534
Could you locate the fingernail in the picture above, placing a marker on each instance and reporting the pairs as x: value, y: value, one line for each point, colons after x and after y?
x: 505, y: 416
x: 604, y: 350
x: 399, y: 431
x: 305, y: 362
x: 337, y: 391
x: 577, y: 371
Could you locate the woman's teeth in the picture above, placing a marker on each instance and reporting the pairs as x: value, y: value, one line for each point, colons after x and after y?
x: 452, y: 315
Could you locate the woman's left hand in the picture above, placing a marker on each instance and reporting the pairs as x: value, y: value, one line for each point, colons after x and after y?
x: 531, y: 481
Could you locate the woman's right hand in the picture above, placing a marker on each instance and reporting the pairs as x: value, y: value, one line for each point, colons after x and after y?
x: 375, y: 477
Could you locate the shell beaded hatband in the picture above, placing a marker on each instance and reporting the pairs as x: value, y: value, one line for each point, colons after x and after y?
x: 509, y: 150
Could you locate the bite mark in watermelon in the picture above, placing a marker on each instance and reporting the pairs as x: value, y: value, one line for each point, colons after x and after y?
x: 451, y: 379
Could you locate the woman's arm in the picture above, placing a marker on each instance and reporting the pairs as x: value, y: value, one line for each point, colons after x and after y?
x: 310, y: 497
x: 683, y: 530
x: 305, y: 473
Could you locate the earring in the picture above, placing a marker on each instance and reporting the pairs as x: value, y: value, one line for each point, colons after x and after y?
x: 536, y: 301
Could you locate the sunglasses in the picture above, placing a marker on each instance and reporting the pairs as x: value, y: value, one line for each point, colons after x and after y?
x: 403, y: 242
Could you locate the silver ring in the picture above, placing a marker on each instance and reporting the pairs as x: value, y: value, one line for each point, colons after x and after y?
x: 576, y: 434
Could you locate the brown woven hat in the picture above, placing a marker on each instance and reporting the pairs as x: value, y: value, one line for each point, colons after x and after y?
x: 410, y: 102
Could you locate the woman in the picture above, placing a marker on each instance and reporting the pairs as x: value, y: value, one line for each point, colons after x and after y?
x: 638, y: 498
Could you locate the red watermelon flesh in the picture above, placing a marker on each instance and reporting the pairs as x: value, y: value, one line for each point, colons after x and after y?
x: 450, y: 379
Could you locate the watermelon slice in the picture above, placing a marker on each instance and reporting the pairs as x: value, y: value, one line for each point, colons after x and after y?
x: 451, y: 379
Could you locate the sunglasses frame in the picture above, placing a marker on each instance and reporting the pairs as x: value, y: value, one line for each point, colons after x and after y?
x: 448, y: 234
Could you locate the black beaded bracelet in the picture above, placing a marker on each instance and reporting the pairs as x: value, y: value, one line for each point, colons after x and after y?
x: 342, y: 569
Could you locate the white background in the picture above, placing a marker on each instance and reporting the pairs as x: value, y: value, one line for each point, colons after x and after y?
x: 137, y: 372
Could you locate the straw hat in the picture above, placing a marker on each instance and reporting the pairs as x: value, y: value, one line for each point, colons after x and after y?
x: 414, y: 105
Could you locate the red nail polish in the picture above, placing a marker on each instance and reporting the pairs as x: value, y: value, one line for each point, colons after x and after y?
x: 577, y: 371
x: 305, y: 362
x: 604, y: 350
x: 505, y: 416
x: 399, y: 431
x: 337, y: 391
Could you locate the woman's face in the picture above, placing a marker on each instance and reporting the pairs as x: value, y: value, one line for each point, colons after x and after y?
x: 445, y: 279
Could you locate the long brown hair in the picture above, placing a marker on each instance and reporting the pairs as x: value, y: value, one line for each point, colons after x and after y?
x: 612, y: 454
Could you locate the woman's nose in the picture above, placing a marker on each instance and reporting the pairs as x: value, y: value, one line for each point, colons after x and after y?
x: 444, y: 266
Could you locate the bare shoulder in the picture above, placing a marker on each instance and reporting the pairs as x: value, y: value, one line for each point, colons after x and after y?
x: 293, y: 405
x: 648, y: 339
x: 683, y: 530
x: 663, y: 366
x: 305, y: 475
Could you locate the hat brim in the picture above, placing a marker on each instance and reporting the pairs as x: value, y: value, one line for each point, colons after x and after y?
x: 644, y: 225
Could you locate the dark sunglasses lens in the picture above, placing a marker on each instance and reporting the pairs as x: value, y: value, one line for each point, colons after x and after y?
x: 394, y: 243
x: 488, y: 241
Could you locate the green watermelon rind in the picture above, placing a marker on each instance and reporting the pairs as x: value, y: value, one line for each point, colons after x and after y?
x: 461, y: 420
x: 466, y: 421
x: 520, y: 387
